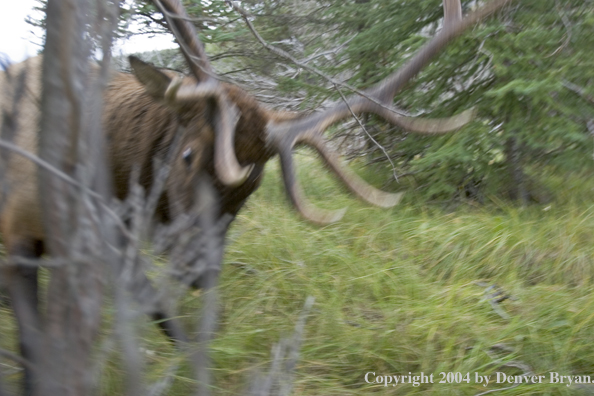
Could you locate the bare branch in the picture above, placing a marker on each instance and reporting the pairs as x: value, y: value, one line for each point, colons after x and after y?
x: 578, y: 90
x: 368, y: 135
x: 285, y: 355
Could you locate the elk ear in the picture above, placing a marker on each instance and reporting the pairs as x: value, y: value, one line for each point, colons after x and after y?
x: 155, y: 82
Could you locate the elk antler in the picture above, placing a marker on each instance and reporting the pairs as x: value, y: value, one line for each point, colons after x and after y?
x: 283, y: 136
x: 227, y: 167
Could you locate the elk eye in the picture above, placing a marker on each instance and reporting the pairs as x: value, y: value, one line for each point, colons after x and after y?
x: 187, y: 156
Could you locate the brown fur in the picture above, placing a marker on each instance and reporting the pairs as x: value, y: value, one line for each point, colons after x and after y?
x: 138, y: 128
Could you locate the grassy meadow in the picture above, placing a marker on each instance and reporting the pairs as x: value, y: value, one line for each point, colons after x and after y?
x: 397, y: 291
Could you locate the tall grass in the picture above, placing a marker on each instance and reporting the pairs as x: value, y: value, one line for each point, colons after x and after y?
x: 401, y: 290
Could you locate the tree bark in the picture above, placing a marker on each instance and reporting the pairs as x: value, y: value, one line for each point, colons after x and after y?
x: 71, y: 140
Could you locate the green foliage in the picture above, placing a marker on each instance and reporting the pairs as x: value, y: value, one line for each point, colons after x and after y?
x: 512, y: 69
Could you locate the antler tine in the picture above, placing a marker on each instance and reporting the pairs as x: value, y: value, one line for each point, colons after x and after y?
x: 229, y: 171
x: 390, y: 86
x: 184, y: 31
x: 227, y: 167
x: 308, y: 211
x: 433, y: 126
x: 283, y: 136
x: 357, y: 185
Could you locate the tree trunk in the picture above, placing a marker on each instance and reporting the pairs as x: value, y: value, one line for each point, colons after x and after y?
x: 71, y: 140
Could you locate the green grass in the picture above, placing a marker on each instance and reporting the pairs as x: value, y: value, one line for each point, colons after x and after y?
x: 397, y: 291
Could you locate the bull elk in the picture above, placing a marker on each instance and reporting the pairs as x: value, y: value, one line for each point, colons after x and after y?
x: 226, y: 133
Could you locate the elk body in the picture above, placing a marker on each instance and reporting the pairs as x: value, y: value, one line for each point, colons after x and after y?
x: 139, y: 126
x: 223, y: 133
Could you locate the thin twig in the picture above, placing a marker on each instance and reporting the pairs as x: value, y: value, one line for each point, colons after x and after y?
x: 567, y: 28
x: 47, y: 166
x: 578, y: 90
x: 18, y: 261
x: 14, y: 357
x: 187, y: 19
x: 346, y: 102
x: 526, y: 369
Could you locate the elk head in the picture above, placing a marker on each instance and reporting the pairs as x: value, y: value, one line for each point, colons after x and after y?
x: 281, y: 137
